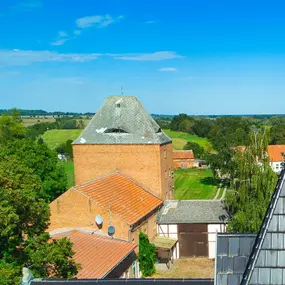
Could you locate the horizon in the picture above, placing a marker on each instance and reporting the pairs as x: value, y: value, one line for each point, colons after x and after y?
x: 217, y: 58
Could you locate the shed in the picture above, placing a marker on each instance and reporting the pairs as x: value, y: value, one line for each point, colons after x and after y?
x: 194, y: 223
x: 166, y: 249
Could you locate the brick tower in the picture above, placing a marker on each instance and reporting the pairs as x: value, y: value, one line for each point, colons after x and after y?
x: 123, y: 136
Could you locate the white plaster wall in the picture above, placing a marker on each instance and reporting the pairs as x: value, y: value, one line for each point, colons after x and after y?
x: 276, y: 166
x: 171, y: 232
x: 212, y: 230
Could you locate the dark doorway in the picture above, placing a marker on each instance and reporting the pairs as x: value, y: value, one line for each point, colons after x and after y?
x: 193, y: 240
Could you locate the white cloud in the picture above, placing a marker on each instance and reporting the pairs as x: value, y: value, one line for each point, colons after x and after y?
x: 62, y: 34
x: 77, y: 32
x: 26, y: 57
x: 61, y: 39
x: 99, y: 21
x: 168, y: 69
x: 150, y: 22
x: 159, y: 55
x: 59, y: 42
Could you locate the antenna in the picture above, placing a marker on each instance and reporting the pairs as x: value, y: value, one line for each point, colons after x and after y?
x: 122, y: 93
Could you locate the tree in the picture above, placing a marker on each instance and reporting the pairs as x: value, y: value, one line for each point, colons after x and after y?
x: 254, y: 182
x: 182, y: 123
x: 50, y: 258
x: 11, y: 128
x: 42, y: 160
x: 147, y: 256
x: 27, y: 171
x: 198, y: 151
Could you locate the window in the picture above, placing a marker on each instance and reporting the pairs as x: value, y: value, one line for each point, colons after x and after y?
x: 165, y: 173
x: 134, y: 269
x: 115, y: 130
x: 169, y: 172
x: 127, y: 274
x: 165, y: 154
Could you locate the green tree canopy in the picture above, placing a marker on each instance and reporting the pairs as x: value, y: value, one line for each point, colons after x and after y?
x: 29, y: 178
x: 147, y: 256
x: 254, y: 182
x: 198, y: 151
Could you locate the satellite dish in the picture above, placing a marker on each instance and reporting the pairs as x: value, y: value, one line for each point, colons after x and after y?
x: 99, y: 220
x: 111, y: 230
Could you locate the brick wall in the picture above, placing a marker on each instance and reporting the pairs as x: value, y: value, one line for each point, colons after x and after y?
x: 74, y: 210
x: 146, y: 164
x: 183, y: 163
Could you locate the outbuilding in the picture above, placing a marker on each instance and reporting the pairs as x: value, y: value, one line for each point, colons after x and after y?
x: 194, y: 223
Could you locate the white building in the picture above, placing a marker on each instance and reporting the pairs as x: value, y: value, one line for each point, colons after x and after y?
x: 276, y: 155
x: 194, y: 223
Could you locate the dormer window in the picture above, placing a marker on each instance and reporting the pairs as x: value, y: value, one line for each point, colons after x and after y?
x: 115, y: 130
x: 159, y: 130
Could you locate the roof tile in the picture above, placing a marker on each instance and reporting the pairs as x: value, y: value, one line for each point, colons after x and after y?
x: 122, y: 195
x: 98, y: 255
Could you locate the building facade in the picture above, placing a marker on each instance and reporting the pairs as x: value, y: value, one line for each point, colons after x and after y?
x: 183, y: 159
x: 194, y: 223
x: 276, y: 157
x: 123, y: 136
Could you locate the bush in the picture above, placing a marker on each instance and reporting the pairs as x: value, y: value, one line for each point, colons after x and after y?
x: 147, y: 255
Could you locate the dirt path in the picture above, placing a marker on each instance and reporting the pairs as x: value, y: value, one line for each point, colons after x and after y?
x: 218, y: 192
x: 224, y: 194
x: 189, y: 268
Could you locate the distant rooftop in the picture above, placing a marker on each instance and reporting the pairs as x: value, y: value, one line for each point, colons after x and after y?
x: 122, y: 120
x: 192, y: 211
x: 182, y: 154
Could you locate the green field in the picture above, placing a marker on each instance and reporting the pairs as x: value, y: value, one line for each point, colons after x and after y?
x: 69, y: 170
x: 191, y: 184
x: 179, y: 139
x: 53, y: 138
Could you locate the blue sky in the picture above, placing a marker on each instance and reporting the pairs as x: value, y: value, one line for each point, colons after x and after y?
x: 196, y: 57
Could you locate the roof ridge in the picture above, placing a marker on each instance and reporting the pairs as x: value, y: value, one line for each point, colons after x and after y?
x: 139, y: 185
x: 95, y: 179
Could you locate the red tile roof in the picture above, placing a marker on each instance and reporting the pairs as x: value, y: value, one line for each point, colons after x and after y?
x: 275, y: 152
x: 98, y: 255
x: 183, y: 154
x: 126, y: 198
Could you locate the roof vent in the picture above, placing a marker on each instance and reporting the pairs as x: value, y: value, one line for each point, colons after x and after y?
x: 114, y: 130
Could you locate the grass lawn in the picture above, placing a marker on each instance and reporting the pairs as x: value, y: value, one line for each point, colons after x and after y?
x: 191, y: 184
x: 53, y: 138
x: 69, y: 170
x: 180, y: 139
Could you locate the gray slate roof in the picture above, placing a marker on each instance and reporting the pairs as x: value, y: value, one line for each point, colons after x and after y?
x: 233, y: 251
x: 122, y: 120
x: 266, y: 264
x: 192, y: 211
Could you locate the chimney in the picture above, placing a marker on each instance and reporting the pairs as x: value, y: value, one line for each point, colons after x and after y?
x: 27, y: 276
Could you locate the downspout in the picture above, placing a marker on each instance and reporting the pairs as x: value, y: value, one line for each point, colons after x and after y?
x: 216, y: 258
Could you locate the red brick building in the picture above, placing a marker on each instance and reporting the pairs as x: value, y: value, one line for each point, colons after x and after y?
x: 123, y: 136
x: 183, y: 159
